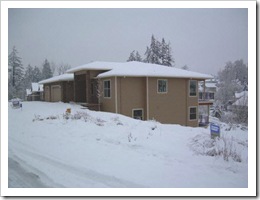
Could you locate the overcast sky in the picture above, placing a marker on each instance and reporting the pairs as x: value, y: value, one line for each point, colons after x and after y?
x: 202, y: 39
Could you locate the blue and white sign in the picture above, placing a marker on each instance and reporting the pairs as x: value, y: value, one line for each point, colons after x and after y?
x: 214, y: 129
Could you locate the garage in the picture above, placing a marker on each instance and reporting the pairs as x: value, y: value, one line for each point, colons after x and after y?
x: 55, y: 93
x: 59, y: 88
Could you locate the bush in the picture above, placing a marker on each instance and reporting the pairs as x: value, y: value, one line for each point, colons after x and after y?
x: 223, y: 146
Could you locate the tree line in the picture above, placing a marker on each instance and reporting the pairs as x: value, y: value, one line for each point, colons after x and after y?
x: 233, y: 79
x: 20, y: 78
x: 157, y: 53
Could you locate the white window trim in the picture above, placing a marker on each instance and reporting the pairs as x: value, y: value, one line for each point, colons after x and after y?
x: 196, y: 88
x: 138, y: 109
x: 158, y: 86
x: 104, y: 88
x: 196, y: 113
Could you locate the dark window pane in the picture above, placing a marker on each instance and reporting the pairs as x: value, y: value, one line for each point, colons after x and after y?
x: 193, y: 88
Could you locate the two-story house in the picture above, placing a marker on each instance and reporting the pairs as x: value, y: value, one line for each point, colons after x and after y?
x: 140, y: 90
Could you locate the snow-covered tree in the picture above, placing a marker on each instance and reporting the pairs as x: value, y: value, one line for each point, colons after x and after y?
x: 16, y: 67
x: 46, y: 70
x: 233, y: 79
x: 134, y: 56
x: 138, y: 57
x: 159, y: 53
x: 185, y: 67
x: 28, y: 76
x: 37, y: 75
x: 63, y: 68
x: 166, y: 55
x: 16, y: 75
x: 153, y: 52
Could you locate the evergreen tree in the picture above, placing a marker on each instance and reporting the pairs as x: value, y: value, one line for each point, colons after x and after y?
x: 168, y: 57
x: 16, y: 67
x: 28, y: 77
x: 37, y: 76
x: 138, y: 57
x: 16, y: 75
x: 159, y: 53
x: 163, y: 51
x: 153, y: 52
x: 46, y: 70
x: 132, y: 56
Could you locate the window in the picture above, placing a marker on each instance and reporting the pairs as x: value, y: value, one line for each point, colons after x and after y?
x: 138, y: 114
x: 211, y: 95
x: 162, y: 86
x: 107, y: 89
x: 193, y: 113
x: 193, y: 88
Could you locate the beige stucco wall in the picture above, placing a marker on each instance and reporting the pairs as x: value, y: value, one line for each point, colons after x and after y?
x: 131, y: 95
x: 108, y: 104
x: 168, y: 108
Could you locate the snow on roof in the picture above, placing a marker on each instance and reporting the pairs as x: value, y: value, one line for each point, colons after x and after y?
x: 36, y: 87
x: 95, y: 66
x: 28, y: 92
x: 63, y: 77
x: 243, y: 101
x: 241, y: 94
x: 210, y: 85
x: 138, y: 69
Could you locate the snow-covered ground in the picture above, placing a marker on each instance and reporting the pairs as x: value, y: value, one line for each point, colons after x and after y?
x: 89, y: 149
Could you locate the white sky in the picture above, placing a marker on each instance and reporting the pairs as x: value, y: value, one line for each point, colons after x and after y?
x: 203, y: 39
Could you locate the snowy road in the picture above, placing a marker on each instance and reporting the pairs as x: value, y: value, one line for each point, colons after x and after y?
x: 18, y: 177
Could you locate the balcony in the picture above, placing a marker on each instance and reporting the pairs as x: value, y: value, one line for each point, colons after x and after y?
x: 206, y: 98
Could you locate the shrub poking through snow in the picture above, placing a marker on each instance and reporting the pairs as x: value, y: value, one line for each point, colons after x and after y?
x: 223, y: 146
x: 99, y: 122
x: 117, y: 121
x: 39, y: 118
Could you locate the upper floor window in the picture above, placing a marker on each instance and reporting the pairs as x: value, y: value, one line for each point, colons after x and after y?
x: 193, y: 88
x: 107, y: 86
x: 162, y: 86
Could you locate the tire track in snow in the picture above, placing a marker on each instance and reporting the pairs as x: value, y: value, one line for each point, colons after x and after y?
x: 90, y: 177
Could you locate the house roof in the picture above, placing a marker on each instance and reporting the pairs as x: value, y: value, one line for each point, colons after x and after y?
x: 98, y: 65
x: 63, y: 77
x: 138, y: 69
x: 243, y: 101
x: 242, y: 98
x: 210, y: 85
x: 28, y: 92
x: 241, y: 94
x: 36, y: 87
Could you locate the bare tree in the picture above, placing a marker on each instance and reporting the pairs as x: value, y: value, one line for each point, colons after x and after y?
x: 63, y: 68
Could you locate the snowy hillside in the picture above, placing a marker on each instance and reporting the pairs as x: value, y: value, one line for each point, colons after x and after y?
x: 48, y: 148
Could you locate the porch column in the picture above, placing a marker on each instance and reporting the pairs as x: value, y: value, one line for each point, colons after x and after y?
x: 204, y: 90
x: 147, y: 98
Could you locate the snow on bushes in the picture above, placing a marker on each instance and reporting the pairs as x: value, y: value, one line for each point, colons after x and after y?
x: 225, y: 146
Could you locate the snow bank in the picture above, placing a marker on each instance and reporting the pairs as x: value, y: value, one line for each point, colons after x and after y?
x: 97, y: 149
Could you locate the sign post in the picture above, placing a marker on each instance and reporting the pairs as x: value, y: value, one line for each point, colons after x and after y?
x: 214, y: 130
